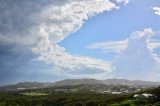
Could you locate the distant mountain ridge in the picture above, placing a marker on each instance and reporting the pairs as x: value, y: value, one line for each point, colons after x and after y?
x: 26, y: 85
x: 78, y: 82
x: 37, y: 85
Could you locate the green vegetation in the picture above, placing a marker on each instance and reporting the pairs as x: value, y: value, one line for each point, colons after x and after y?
x: 48, y: 97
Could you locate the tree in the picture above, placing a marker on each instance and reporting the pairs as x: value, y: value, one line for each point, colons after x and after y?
x: 91, y: 103
x: 78, y: 104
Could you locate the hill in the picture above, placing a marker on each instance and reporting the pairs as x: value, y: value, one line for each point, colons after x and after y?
x: 37, y: 85
x: 26, y: 85
x: 79, y: 82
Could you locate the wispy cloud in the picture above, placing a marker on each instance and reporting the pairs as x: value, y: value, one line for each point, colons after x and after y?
x: 109, y: 46
x: 119, y: 46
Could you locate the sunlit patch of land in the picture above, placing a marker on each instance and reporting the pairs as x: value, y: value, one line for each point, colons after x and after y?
x: 34, y: 94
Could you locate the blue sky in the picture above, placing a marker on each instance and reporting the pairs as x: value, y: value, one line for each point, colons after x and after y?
x: 114, y: 25
x: 49, y: 40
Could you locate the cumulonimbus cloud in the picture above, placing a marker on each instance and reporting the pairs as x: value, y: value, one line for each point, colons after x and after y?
x: 41, y: 25
x: 134, y: 54
x: 136, y: 57
x: 69, y: 20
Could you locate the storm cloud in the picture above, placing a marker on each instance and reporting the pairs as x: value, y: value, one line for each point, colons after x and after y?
x: 31, y: 30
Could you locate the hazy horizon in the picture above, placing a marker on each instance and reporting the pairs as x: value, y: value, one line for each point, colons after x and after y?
x: 52, y: 40
x: 78, y: 79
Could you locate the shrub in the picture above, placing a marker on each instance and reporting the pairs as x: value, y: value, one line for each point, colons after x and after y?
x: 91, y: 103
x: 157, y: 104
x: 126, y: 103
x: 78, y: 104
x: 140, y: 102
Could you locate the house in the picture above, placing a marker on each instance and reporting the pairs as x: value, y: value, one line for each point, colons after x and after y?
x: 142, y: 96
x: 116, y: 93
x: 61, y: 90
x: 107, y: 92
x: 21, y: 88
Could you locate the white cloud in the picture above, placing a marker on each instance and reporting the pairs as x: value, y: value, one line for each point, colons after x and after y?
x: 59, y: 22
x: 134, y: 54
x: 155, y: 74
x: 43, y: 24
x: 157, y: 10
x: 109, y: 46
x: 137, y: 59
x: 154, y: 44
x: 119, y: 46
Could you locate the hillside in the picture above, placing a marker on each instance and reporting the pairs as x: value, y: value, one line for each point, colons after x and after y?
x: 26, y: 85
x: 78, y: 82
x: 37, y: 85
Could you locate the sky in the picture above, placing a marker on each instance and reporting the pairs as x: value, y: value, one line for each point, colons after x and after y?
x: 50, y: 40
